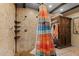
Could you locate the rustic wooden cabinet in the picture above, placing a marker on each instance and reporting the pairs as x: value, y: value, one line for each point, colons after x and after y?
x: 61, y: 31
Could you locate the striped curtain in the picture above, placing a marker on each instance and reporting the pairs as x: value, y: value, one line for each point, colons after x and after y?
x: 44, y: 43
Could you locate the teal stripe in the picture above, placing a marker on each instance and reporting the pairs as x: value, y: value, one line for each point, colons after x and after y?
x: 43, y: 20
x: 38, y: 53
x: 44, y: 32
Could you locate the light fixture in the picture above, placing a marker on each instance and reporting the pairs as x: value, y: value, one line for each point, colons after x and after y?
x: 61, y: 10
x: 50, y: 6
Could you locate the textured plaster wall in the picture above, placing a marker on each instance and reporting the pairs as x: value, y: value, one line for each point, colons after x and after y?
x: 74, y: 37
x: 27, y: 39
x: 7, y: 17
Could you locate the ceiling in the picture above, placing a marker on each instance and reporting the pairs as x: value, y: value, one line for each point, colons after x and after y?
x: 52, y: 7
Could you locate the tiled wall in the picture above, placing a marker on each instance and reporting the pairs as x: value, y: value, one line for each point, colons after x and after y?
x: 7, y: 17
x: 27, y: 33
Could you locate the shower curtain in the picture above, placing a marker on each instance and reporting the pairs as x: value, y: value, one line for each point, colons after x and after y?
x: 44, y: 43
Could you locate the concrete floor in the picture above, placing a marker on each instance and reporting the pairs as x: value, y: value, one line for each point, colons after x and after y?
x: 69, y: 51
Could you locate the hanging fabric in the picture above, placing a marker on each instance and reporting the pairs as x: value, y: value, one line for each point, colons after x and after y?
x: 44, y: 43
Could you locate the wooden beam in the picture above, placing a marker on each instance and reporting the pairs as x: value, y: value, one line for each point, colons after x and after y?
x: 57, y: 7
x: 70, y: 9
x: 24, y: 5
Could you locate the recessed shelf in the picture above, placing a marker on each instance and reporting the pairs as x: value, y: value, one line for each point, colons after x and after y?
x: 16, y: 31
x: 17, y: 22
x: 17, y: 37
x: 17, y: 26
